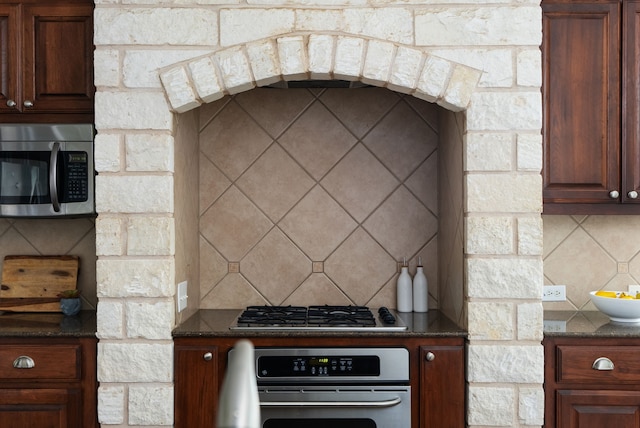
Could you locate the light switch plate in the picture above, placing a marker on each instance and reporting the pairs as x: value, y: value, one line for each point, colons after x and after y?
x: 181, y: 301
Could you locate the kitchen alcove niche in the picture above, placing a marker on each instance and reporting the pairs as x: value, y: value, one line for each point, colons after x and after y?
x: 311, y: 195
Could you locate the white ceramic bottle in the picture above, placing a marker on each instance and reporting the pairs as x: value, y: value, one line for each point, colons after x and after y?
x: 420, y: 290
x: 404, y: 289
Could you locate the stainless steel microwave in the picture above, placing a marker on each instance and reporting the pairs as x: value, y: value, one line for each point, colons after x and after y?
x: 46, y: 170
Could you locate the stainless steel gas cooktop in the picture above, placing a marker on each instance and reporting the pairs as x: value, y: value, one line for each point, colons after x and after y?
x: 318, y: 318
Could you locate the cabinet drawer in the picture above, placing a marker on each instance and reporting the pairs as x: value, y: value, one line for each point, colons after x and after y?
x: 576, y: 364
x: 49, y: 362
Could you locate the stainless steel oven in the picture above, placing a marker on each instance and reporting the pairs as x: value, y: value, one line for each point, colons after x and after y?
x: 333, y: 387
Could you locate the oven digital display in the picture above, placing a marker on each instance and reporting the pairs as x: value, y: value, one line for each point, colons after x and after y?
x: 293, y: 366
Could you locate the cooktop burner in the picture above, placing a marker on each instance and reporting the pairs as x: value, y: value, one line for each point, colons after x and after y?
x: 325, y: 318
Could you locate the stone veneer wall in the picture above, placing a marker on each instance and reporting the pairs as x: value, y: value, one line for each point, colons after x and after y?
x: 479, y: 58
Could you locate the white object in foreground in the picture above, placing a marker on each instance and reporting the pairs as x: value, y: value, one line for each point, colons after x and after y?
x: 239, y: 405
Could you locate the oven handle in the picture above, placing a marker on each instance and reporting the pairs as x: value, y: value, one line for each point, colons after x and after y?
x: 377, y: 404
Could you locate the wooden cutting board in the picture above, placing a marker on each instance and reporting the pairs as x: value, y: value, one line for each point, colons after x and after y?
x: 32, y: 283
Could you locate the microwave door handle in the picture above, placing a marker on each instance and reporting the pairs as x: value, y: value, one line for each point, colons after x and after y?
x: 53, y: 177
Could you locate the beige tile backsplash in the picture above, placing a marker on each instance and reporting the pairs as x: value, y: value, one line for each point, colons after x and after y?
x: 55, y: 237
x: 588, y: 253
x: 310, y: 196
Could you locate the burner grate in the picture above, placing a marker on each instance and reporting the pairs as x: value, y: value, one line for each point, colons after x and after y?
x: 326, y: 315
x: 273, y: 315
x: 340, y: 316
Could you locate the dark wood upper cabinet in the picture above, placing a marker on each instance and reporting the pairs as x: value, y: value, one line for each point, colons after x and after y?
x: 590, y: 107
x: 46, y: 61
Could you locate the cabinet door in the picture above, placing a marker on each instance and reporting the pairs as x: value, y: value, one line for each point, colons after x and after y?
x: 442, y: 387
x: 597, y: 409
x: 581, y: 101
x: 58, y: 58
x: 631, y: 102
x: 42, y: 408
x: 196, y: 386
x: 8, y: 57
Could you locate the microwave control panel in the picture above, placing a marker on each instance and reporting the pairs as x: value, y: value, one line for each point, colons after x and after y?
x: 76, y: 182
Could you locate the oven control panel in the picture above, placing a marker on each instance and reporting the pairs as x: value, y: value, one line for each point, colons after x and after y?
x: 326, y: 365
x: 320, y: 365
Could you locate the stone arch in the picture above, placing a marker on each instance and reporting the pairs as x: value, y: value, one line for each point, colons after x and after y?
x: 401, y: 68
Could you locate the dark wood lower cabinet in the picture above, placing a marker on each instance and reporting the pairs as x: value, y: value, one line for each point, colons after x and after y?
x: 55, y: 408
x: 592, y: 382
x: 196, y: 385
x: 437, y: 371
x: 442, y: 382
x: 598, y: 409
x: 56, y: 386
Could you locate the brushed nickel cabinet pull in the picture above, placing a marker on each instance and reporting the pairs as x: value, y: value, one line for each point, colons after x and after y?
x: 208, y: 356
x: 602, y: 363
x: 24, y: 362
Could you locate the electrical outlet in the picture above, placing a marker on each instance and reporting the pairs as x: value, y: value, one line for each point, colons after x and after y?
x: 182, y: 296
x: 554, y: 293
x: 634, y: 289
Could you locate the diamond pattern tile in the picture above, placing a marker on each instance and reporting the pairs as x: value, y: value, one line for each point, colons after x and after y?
x: 208, y: 111
x: 274, y: 109
x: 317, y: 140
x: 285, y: 183
x: 213, y: 183
x: 233, y: 140
x: 386, y: 296
x: 317, y: 288
x: 39, y: 233
x: 402, y: 224
x: 233, y: 292
x: 566, y: 266
x: 429, y: 112
x: 422, y: 182
x: 360, y: 109
x: 276, y: 266
x: 360, y: 266
x: 634, y: 271
x: 620, y: 242
x: 275, y: 182
x: 359, y: 183
x: 213, y: 267
x: 318, y: 224
x: 555, y: 229
x: 4, y: 225
x: 402, y: 140
x: 233, y: 225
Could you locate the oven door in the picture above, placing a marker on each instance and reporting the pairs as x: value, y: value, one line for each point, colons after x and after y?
x: 350, y: 406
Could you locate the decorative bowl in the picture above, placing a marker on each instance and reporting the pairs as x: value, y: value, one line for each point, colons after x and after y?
x: 618, y: 310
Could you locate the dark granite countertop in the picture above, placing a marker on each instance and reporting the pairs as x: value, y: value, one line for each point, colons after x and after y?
x: 216, y: 322
x: 47, y: 324
x: 592, y: 324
